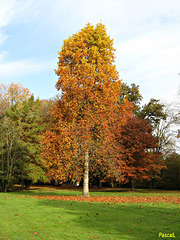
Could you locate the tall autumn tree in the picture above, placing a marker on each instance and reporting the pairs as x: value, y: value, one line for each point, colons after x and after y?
x: 87, y: 110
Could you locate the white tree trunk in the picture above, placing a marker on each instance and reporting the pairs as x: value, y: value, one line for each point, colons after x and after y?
x: 86, y: 175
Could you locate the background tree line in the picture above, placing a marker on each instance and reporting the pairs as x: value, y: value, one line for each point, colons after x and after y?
x: 96, y: 131
x: 24, y: 120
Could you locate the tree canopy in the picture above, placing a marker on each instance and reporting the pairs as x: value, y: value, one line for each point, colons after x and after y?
x: 93, y: 108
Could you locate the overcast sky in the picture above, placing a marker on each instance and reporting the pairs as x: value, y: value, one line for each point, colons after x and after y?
x: 146, y: 36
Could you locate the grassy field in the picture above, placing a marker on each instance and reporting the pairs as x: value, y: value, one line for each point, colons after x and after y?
x: 37, y: 214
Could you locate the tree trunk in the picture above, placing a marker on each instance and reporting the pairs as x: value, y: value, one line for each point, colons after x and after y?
x: 112, y: 184
x: 86, y: 175
x: 100, y: 183
x: 22, y: 183
x: 132, y: 185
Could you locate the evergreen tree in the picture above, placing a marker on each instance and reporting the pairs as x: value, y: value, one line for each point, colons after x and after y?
x: 23, y: 127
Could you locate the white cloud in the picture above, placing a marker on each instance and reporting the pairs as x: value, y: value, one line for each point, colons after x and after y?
x: 127, y: 17
x: 153, y: 51
x: 6, y: 12
x: 152, y: 60
x: 2, y: 38
x: 10, y: 70
x: 16, y: 10
x: 3, y: 56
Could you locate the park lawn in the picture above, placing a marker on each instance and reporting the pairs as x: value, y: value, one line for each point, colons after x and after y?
x: 23, y: 216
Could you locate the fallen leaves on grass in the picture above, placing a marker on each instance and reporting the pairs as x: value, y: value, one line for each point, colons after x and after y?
x: 130, y: 199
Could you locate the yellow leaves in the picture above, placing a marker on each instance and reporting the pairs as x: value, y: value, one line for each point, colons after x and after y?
x: 12, y: 94
x: 91, y: 46
x: 88, y: 107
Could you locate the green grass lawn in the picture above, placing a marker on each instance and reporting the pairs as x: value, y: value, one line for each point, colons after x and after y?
x: 24, y: 217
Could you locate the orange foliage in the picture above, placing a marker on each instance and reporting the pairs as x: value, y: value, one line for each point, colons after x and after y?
x: 124, y: 199
x: 90, y: 121
x: 88, y: 106
x: 140, y: 159
x: 14, y: 93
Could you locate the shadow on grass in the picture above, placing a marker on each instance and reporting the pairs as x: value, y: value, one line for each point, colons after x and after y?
x: 43, y: 193
x: 77, y: 191
x: 117, y: 221
x: 59, y: 191
x: 74, y: 192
